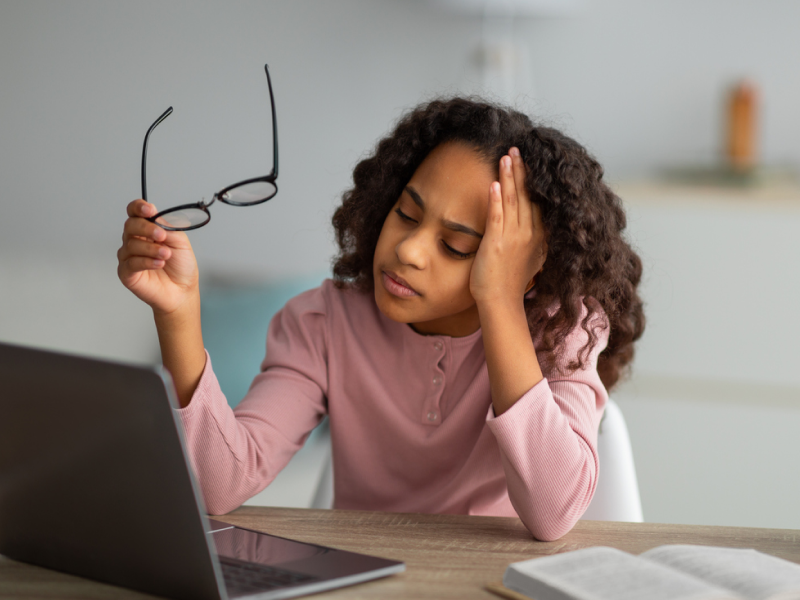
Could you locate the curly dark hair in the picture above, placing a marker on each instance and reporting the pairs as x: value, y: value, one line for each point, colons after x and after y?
x: 589, y: 263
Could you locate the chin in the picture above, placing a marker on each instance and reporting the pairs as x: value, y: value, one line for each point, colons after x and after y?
x: 387, y: 307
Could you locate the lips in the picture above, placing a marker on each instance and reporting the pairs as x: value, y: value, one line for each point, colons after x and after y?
x: 397, y: 285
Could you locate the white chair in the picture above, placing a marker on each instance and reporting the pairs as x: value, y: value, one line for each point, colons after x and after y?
x: 323, y: 497
x: 616, y: 497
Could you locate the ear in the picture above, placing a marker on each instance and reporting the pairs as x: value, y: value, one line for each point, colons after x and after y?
x: 532, y: 282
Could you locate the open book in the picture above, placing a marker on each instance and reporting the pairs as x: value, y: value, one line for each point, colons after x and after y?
x: 672, y: 572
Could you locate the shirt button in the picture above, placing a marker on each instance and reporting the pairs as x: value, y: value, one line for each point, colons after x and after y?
x: 432, y: 416
x: 438, y: 346
x: 437, y: 379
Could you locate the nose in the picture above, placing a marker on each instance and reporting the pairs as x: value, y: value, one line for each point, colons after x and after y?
x: 412, y: 250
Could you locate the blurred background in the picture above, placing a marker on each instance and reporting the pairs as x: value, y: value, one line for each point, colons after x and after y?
x: 713, y: 403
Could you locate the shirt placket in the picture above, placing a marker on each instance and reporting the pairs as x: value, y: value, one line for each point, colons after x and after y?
x: 431, y: 410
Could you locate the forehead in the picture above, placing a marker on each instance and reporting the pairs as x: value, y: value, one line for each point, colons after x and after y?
x: 454, y: 179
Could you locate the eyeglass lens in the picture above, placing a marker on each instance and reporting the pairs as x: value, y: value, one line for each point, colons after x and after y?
x: 249, y: 193
x: 183, y: 218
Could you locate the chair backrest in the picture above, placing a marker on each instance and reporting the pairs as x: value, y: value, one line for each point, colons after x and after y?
x: 323, y: 496
x: 616, y: 497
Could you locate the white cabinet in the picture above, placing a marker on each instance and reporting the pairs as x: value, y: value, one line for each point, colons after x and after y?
x: 713, y: 406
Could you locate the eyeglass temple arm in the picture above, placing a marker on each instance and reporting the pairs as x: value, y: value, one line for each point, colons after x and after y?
x: 274, y: 126
x: 166, y: 113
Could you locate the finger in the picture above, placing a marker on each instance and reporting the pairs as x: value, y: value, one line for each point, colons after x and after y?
x: 494, y: 217
x: 142, y: 263
x: 137, y: 247
x: 138, y: 227
x: 509, y: 192
x: 141, y: 208
x: 130, y: 262
x: 518, y: 170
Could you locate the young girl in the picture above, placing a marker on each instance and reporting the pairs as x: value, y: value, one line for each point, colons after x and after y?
x: 483, y: 301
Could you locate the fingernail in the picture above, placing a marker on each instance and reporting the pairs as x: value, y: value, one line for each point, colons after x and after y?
x: 158, y: 263
x: 514, y: 151
x: 506, y: 162
x: 162, y: 252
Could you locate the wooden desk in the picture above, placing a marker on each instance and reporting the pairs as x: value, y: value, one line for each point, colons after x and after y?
x: 447, y: 556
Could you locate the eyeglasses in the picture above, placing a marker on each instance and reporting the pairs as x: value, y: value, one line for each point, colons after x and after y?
x: 244, y: 193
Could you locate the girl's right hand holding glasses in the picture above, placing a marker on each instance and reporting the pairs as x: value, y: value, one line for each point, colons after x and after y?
x: 158, y: 266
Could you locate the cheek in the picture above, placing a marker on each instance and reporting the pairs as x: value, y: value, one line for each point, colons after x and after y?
x: 456, y: 280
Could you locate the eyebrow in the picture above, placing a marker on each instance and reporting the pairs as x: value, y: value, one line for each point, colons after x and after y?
x: 451, y: 225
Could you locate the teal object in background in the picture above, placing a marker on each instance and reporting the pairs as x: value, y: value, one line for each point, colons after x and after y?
x: 235, y: 323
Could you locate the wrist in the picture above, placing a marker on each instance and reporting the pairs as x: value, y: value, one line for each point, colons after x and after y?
x: 180, y: 336
x: 505, y: 303
x: 510, y: 353
x: 186, y: 311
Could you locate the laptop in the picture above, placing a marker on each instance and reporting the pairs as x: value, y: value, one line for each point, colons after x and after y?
x: 95, y: 481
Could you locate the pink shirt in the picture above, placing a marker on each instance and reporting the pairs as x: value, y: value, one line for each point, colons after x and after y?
x: 411, y: 420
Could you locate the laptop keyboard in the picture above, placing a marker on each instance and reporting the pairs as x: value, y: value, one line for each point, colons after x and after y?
x: 243, y: 578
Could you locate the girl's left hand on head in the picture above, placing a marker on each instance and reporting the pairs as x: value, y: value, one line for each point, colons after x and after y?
x: 513, y: 248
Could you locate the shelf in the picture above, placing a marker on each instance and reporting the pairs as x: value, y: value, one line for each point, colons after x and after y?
x: 660, y: 193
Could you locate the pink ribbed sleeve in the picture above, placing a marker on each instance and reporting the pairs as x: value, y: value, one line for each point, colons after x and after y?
x: 237, y: 453
x: 564, y: 411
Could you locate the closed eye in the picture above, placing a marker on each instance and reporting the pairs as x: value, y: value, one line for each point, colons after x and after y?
x: 403, y: 215
x: 456, y: 253
x: 449, y: 249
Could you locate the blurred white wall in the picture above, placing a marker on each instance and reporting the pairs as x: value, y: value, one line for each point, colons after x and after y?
x: 713, y: 406
x: 643, y: 83
x: 640, y: 83
x: 81, y: 83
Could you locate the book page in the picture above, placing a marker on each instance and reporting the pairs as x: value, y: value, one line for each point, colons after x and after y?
x: 749, y: 573
x: 602, y: 573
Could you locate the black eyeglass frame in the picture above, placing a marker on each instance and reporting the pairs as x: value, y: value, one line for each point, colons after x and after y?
x: 202, y: 205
